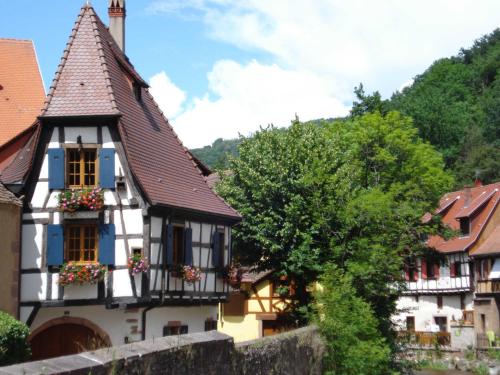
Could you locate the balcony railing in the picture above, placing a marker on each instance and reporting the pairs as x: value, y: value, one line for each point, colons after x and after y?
x: 488, y: 341
x: 488, y: 286
x: 423, y: 338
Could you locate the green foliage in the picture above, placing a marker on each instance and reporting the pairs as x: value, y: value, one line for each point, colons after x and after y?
x: 455, y: 105
x: 216, y: 155
x: 349, y: 193
x: 354, y: 343
x: 14, y: 346
x: 367, y: 103
x: 482, y: 369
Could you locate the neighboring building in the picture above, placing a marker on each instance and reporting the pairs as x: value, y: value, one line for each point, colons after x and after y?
x: 21, y: 88
x: 483, y: 217
x: 10, y: 217
x: 100, y: 127
x: 256, y: 310
x: 21, y: 99
x: 440, y: 294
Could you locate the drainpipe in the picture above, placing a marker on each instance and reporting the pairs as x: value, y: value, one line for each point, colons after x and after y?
x: 144, y: 312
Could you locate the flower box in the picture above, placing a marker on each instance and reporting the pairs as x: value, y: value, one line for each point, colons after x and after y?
x: 137, y: 264
x: 79, y: 274
x: 190, y: 274
x: 91, y: 199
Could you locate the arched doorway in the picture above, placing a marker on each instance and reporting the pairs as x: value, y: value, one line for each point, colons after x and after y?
x: 65, y: 336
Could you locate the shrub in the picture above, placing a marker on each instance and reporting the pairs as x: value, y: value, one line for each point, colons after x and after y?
x: 14, y: 346
x: 355, y: 346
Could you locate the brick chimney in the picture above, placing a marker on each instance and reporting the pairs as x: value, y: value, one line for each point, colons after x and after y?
x: 116, y: 13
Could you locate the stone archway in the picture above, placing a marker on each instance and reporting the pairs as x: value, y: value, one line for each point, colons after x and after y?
x: 66, y: 335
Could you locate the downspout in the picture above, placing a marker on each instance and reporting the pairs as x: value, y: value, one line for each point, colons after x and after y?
x: 143, y: 323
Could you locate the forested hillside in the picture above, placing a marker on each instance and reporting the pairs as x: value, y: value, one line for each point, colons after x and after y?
x: 216, y: 155
x: 455, y: 105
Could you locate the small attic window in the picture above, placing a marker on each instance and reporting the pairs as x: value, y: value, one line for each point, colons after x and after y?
x: 136, y: 88
x: 464, y: 226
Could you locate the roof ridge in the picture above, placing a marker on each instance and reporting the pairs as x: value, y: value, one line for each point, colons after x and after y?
x: 64, y: 58
x: 188, y: 154
x: 16, y: 40
x: 95, y: 19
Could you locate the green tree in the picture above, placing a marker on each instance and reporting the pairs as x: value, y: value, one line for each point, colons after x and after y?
x: 367, y: 103
x: 354, y: 343
x: 351, y: 193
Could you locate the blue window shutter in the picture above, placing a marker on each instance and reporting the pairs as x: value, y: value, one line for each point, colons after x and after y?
x: 169, y: 245
x: 215, y: 249
x: 107, y: 244
x: 56, y: 168
x: 107, y: 168
x: 55, y: 245
x: 188, y: 247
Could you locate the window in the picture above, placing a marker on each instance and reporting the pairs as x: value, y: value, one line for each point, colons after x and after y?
x: 465, y: 226
x: 210, y: 325
x: 440, y: 302
x: 178, y: 255
x: 442, y: 322
x: 458, y: 269
x: 410, y: 323
x: 483, y: 269
x: 81, y: 243
x: 432, y: 269
x: 175, y: 329
x: 81, y: 167
x: 222, y: 245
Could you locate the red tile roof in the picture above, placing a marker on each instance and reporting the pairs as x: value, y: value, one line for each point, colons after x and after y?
x: 491, y: 245
x: 477, y: 203
x: 21, y: 87
x: 96, y: 78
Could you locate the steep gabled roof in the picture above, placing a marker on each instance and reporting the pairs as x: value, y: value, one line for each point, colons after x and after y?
x: 21, y: 87
x: 478, y: 203
x: 81, y: 86
x: 95, y: 78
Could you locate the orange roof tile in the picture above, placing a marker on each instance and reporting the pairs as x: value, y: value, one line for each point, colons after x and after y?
x: 491, y: 245
x: 477, y: 203
x: 21, y: 88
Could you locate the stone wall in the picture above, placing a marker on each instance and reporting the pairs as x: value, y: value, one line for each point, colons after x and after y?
x: 295, y: 352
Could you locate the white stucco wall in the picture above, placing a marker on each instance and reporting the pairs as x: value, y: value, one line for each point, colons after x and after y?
x: 425, y: 309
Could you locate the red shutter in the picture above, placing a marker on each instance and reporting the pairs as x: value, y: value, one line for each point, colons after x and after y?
x: 407, y: 272
x: 436, y: 270
x: 453, y: 269
x: 415, y: 274
x: 424, y: 269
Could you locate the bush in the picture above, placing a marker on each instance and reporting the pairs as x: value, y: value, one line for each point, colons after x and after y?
x: 354, y: 343
x: 14, y: 346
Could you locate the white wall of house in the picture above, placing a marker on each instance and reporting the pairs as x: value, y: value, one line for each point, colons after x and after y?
x: 121, y: 323
x: 424, y: 308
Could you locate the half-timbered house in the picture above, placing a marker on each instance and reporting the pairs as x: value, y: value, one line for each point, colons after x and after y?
x: 445, y: 293
x: 102, y: 135
x: 258, y: 308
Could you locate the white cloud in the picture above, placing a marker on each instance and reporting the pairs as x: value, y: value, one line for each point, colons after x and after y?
x: 252, y: 95
x: 168, y: 96
x: 319, y: 50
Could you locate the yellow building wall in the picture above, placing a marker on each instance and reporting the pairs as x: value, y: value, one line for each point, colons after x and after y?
x: 241, y: 328
x: 246, y: 327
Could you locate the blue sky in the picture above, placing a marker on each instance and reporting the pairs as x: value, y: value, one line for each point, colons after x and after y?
x: 219, y: 68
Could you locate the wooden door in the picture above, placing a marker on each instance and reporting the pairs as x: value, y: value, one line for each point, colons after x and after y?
x: 64, y: 339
